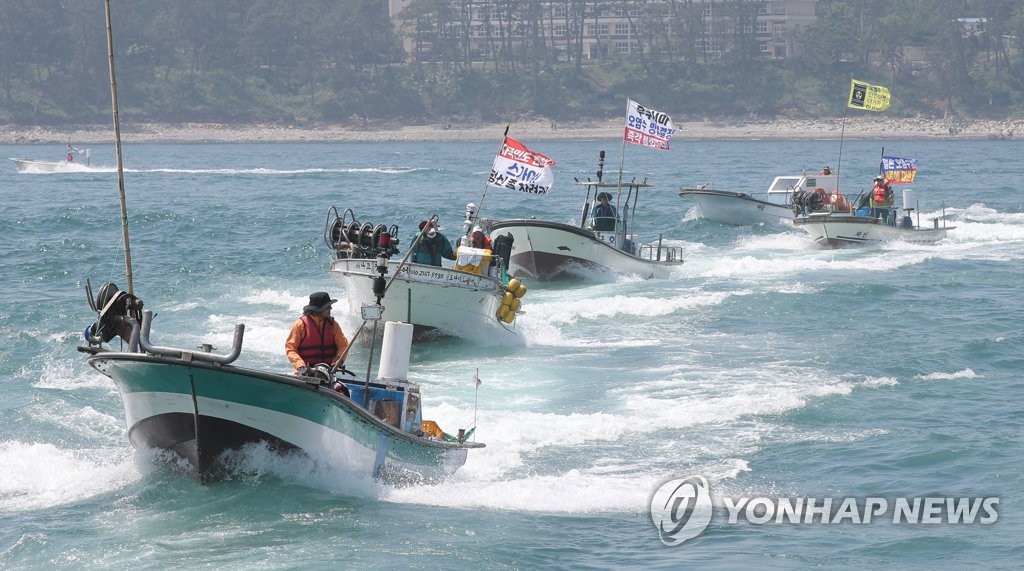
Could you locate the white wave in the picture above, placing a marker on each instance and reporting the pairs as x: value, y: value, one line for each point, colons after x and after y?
x: 875, y: 382
x: 85, y: 421
x: 66, y: 168
x: 692, y: 214
x: 255, y: 461
x: 514, y: 436
x: 569, y: 311
x: 273, y: 171
x: 574, y: 491
x: 709, y: 406
x: 961, y: 374
x: 785, y: 241
x: 62, y: 375
x: 978, y: 212
x: 41, y: 475
x: 986, y: 233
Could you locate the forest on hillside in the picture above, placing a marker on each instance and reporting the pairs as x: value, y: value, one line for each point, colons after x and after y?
x: 341, y: 61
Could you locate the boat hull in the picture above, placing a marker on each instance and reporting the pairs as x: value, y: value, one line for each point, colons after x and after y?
x: 832, y: 230
x: 457, y: 303
x: 201, y: 410
x: 552, y: 251
x: 738, y: 208
x: 31, y: 165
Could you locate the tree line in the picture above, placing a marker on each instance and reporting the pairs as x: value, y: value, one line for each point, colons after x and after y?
x: 342, y: 61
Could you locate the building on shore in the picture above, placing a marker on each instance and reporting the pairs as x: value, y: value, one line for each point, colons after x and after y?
x: 585, y: 30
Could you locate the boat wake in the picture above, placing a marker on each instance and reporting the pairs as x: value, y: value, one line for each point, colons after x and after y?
x: 75, y: 168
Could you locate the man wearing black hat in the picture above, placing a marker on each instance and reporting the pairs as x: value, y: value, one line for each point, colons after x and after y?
x: 604, y: 214
x: 315, y: 337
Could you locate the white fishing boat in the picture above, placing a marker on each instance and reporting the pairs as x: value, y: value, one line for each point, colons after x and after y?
x: 599, y: 248
x: 775, y: 206
x: 69, y: 164
x: 474, y: 299
x: 831, y: 228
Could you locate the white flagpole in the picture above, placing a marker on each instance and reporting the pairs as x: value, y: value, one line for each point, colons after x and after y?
x: 618, y: 191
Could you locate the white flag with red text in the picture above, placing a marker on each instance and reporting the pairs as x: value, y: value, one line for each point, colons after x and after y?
x: 647, y: 127
x: 518, y: 168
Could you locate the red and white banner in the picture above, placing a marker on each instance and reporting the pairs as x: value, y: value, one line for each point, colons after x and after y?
x: 647, y: 127
x: 518, y: 168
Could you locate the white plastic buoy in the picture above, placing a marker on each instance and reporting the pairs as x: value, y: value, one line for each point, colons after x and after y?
x: 394, y: 354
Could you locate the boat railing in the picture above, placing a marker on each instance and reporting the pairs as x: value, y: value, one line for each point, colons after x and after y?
x: 204, y: 354
x: 660, y: 253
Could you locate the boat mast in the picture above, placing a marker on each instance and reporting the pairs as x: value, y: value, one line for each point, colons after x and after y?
x: 479, y: 207
x: 120, y: 163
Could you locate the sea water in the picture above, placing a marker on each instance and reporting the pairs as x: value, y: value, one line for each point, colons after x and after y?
x: 765, y: 365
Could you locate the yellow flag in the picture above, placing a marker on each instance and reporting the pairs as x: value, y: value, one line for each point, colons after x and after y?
x: 863, y: 95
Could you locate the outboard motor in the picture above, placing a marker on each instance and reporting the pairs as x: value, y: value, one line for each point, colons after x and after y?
x: 117, y: 311
x: 501, y: 247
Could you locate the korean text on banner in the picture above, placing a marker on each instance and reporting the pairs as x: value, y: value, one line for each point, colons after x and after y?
x: 647, y: 127
x: 518, y: 168
x: 899, y: 170
x: 863, y: 95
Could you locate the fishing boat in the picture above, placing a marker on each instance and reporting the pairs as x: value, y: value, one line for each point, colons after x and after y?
x: 855, y: 225
x: 474, y: 299
x: 775, y: 206
x: 200, y: 406
x: 599, y: 248
x: 69, y: 164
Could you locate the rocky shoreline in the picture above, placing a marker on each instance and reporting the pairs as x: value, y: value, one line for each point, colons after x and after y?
x: 864, y: 127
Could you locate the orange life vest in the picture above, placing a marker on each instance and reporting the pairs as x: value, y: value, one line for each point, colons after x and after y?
x: 879, y: 194
x: 318, y: 345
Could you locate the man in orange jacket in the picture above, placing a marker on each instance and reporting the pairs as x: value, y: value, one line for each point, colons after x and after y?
x: 315, y: 337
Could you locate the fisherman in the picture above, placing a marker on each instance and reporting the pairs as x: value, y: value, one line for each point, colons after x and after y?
x: 604, y: 213
x: 881, y: 198
x: 432, y: 246
x: 316, y: 338
x: 477, y: 239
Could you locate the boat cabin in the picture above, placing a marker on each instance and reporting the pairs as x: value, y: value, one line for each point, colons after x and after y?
x: 783, y: 187
x: 615, y: 230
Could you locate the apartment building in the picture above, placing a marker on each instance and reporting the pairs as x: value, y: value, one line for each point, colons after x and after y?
x: 592, y: 30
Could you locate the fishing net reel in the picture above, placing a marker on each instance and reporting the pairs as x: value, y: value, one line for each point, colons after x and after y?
x: 350, y: 238
x: 807, y: 201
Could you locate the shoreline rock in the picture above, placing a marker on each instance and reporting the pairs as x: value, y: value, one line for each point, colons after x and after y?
x: 724, y: 129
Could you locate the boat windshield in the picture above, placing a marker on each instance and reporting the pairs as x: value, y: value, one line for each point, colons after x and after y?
x: 784, y: 184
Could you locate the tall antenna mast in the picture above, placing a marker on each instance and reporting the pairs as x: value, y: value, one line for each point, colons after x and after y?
x: 120, y: 163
